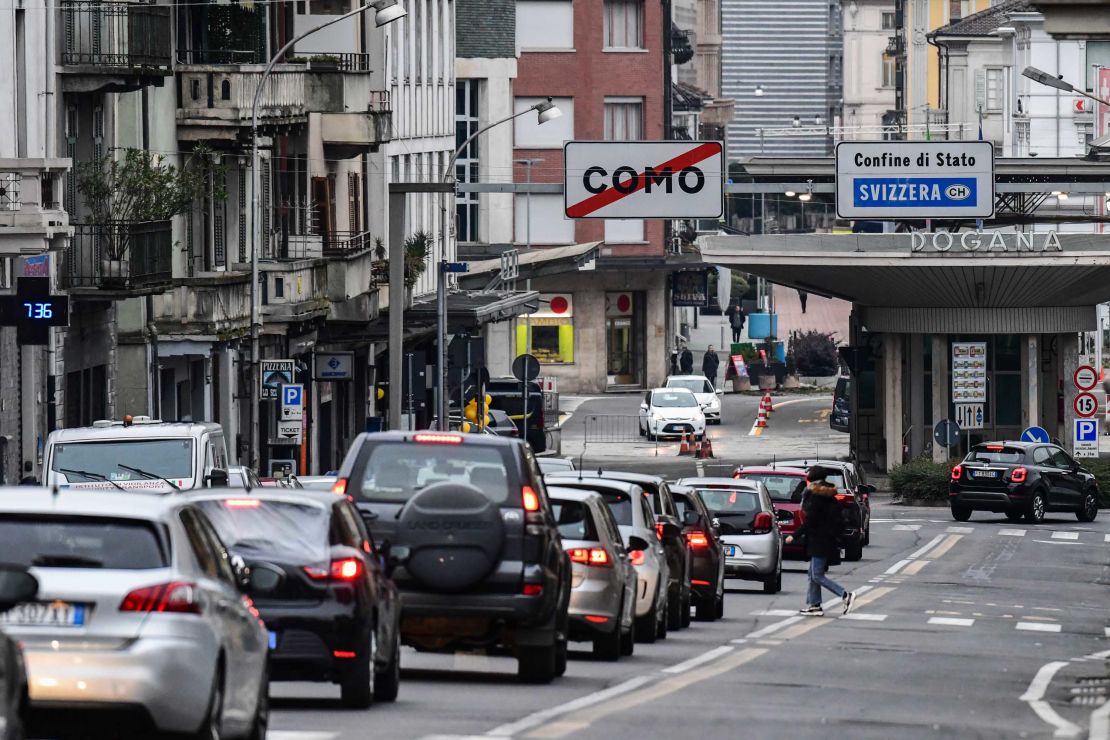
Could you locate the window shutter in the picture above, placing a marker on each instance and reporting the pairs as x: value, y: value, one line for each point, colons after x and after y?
x: 242, y: 173
x: 354, y: 214
x: 980, y: 89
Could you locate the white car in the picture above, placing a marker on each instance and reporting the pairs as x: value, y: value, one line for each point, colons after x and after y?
x: 703, y: 390
x: 140, y: 616
x: 670, y: 412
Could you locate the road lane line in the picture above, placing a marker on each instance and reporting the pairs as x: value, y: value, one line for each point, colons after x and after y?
x: 698, y: 660
x: 1065, y: 535
x: 932, y: 543
x: 775, y: 613
x: 1034, y: 697
x: 952, y: 621
x: 947, y: 545
x: 915, y: 567
x: 897, y: 566
x: 961, y: 530
x: 1037, y: 627
x: 865, y: 617
x: 538, y: 718
x: 1105, y: 538
x: 1100, y: 722
x: 1009, y: 532
x: 764, y: 631
x: 300, y: 735
x: 899, y: 527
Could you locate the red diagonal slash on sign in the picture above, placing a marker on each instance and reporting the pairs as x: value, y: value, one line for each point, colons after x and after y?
x: 611, y: 195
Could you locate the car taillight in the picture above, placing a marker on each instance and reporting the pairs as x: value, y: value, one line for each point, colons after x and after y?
x: 697, y: 540
x: 176, y: 597
x: 957, y: 472
x: 532, y: 589
x: 995, y: 448
x: 438, y: 438
x: 590, y: 556
x: 340, y: 486
x: 659, y: 530
x: 529, y: 498
x: 345, y: 569
x: 1019, y: 475
x: 763, y: 522
x: 845, y: 498
x: 637, y: 557
x: 694, y: 582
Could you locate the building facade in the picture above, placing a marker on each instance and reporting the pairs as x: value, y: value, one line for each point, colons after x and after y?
x: 870, y: 72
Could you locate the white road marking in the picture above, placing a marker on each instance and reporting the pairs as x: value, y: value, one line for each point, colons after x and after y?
x: 952, y: 621
x: 865, y: 617
x: 1100, y: 723
x: 900, y: 527
x: 1105, y: 537
x: 1106, y: 629
x: 1037, y: 627
x: 961, y: 530
x: 1065, y: 535
x: 1011, y: 532
x: 699, y: 659
x: 538, y: 718
x: 775, y: 613
x: 1057, y: 542
x: 300, y: 735
x: 897, y: 566
x: 764, y: 631
x: 1034, y: 697
x: 931, y: 544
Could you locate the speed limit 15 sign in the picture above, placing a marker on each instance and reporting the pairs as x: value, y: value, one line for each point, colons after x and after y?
x: 1085, y: 405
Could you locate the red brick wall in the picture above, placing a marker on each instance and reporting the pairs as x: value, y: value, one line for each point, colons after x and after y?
x: 589, y: 75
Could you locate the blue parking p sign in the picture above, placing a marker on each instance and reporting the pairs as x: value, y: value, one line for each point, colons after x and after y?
x: 1086, y: 438
x: 292, y: 395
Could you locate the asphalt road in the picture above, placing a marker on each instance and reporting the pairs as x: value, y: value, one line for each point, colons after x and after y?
x: 965, y: 630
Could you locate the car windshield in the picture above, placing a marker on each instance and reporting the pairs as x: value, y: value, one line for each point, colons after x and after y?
x: 673, y: 399
x: 784, y: 488
x: 82, y: 542
x: 995, y: 454
x: 694, y: 385
x: 396, y: 471
x: 271, y: 530
x: 121, y: 459
x: 729, y: 500
x: 574, y: 520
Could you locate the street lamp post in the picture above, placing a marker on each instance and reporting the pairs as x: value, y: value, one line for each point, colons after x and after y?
x: 387, y: 11
x: 528, y: 241
x: 1044, y: 78
x: 546, y: 111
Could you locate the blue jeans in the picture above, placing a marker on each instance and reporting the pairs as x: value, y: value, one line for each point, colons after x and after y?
x: 817, y: 579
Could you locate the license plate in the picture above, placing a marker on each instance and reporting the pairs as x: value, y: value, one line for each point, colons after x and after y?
x: 732, y: 551
x: 273, y: 640
x: 984, y: 473
x: 46, y: 614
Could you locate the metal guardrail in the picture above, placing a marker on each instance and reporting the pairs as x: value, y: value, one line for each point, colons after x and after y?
x: 611, y: 428
x: 115, y: 34
x: 341, y: 243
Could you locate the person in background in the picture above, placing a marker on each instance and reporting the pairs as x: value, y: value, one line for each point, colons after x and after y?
x: 821, y: 527
x: 709, y: 365
x: 802, y: 298
x: 686, y: 360
x: 736, y: 320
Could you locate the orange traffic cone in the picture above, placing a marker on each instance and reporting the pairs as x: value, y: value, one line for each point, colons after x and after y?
x: 684, y: 448
x: 770, y: 405
x: 761, y: 419
x: 706, y: 450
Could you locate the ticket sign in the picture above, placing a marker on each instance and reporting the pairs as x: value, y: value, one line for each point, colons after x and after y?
x: 914, y: 179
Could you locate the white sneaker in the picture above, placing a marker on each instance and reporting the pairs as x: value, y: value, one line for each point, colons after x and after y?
x: 849, y: 599
x: 812, y: 611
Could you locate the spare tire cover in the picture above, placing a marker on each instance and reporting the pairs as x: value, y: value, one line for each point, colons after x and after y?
x: 454, y: 534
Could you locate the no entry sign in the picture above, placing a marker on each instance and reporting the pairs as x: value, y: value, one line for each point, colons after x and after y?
x: 643, y: 179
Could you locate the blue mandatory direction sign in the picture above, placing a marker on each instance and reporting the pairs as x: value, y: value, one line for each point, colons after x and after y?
x: 914, y: 179
x: 1035, y: 434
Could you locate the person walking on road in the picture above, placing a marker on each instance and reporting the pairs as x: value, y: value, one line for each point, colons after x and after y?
x: 686, y: 360
x: 709, y: 365
x: 802, y: 298
x: 736, y: 320
x: 821, y: 527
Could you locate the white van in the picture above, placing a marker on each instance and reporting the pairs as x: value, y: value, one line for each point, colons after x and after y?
x: 138, y: 453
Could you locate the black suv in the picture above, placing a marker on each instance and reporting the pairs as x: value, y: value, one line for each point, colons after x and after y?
x: 1021, y: 479
x: 668, y: 528
x: 507, y: 394
x: 466, y: 522
x: 707, y: 555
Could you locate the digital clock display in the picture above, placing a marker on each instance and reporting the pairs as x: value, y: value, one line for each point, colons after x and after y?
x: 38, y: 310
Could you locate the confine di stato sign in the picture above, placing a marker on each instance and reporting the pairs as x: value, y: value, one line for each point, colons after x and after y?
x: 914, y: 179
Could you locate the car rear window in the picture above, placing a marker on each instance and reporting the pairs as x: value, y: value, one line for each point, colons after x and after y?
x: 694, y: 385
x: 396, y: 471
x: 82, y: 542
x: 271, y: 530
x: 995, y: 455
x: 621, y: 506
x: 574, y: 520
x: 786, y: 488
x: 729, y: 501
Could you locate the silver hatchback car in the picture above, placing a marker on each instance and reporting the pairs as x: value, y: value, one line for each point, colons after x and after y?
x: 603, y: 579
x: 140, y: 618
x: 749, y: 528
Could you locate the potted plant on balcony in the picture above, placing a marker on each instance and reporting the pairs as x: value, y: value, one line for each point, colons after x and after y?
x: 138, y: 187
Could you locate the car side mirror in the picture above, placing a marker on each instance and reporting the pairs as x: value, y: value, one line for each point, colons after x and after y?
x: 264, y: 578
x: 636, y: 544
x: 217, y: 478
x: 16, y: 586
x: 691, y: 518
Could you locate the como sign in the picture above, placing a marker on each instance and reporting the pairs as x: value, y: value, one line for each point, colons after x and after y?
x: 914, y: 179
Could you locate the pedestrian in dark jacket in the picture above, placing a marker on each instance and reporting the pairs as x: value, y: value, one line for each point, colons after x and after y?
x: 736, y: 320
x: 686, y: 361
x: 709, y: 365
x: 821, y: 525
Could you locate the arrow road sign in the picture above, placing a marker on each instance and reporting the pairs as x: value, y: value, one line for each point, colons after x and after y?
x: 969, y: 415
x: 1035, y: 434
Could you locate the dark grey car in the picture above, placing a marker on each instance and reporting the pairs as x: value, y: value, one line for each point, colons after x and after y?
x: 16, y: 586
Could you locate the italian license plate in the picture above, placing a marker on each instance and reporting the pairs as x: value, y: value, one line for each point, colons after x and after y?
x: 984, y: 473
x: 273, y: 640
x: 732, y: 551
x: 46, y: 614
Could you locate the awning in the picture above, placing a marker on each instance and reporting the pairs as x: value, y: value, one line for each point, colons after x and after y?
x: 470, y: 309
x: 536, y: 263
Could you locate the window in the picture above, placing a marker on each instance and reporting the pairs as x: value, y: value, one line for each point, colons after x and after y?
x: 549, y: 224
x: 888, y: 20
x: 466, y: 166
x: 397, y: 471
x: 624, y: 230
x: 623, y: 24
x: 528, y: 133
x: 275, y: 530
x: 544, y: 24
x: 958, y: 9
x: 573, y: 520
x: 888, y: 71
x: 994, y: 88
x: 624, y: 119
x: 552, y: 325
x: 82, y: 542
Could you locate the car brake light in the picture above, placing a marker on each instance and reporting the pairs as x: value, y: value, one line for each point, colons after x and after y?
x: 242, y: 503
x: 530, y: 499
x: 532, y: 589
x: 763, y: 522
x: 346, y: 569
x: 340, y: 486
x: 177, y: 597
x: 636, y: 557
x: 659, y: 530
x: 957, y: 472
x: 1019, y: 475
x: 995, y: 448
x: 589, y: 556
x: 699, y: 583
x: 697, y: 540
x: 438, y: 438
x: 845, y: 497
x: 343, y: 653
x: 596, y: 619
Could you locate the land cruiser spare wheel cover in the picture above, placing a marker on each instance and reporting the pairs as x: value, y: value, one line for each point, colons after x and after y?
x: 454, y: 534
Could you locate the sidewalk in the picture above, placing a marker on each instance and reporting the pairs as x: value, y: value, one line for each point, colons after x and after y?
x: 829, y: 315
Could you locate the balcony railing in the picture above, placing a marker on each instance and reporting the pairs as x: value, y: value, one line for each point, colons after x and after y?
x: 342, y: 243
x: 115, y: 34
x: 119, y: 256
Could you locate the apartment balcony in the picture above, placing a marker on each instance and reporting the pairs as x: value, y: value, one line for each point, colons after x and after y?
x: 354, y: 119
x: 114, y: 46
x: 215, y: 304
x: 106, y: 261
x: 294, y: 291
x: 32, y: 218
x: 214, y: 100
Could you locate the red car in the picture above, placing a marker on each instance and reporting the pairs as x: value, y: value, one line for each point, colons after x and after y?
x: 786, y: 486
